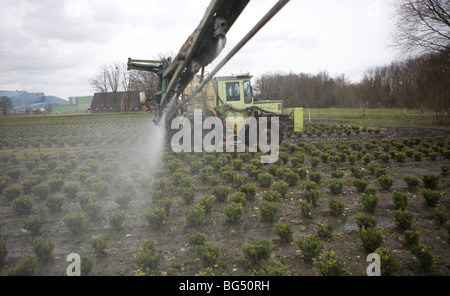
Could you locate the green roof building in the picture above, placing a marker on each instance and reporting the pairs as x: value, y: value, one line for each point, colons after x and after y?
x: 77, y: 105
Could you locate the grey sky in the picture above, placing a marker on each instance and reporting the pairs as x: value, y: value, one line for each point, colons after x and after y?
x: 55, y: 46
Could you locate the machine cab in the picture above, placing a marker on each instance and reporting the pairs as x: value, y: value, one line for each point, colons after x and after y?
x: 235, y: 90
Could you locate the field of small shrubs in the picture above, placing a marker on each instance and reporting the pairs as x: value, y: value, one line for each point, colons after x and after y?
x: 105, y: 187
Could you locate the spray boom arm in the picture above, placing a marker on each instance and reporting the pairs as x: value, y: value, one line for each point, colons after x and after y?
x: 199, y: 50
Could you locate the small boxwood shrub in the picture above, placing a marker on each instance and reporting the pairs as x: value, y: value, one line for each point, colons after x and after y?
x: 221, y: 192
x: 360, y: 185
x: 188, y: 194
x: 430, y: 181
x: 99, y: 245
x: 116, y: 219
x: 147, y: 259
x: 310, y: 246
x: 335, y: 186
x: 43, y: 249
x: 22, y: 205
x: 257, y: 251
x: 71, y: 190
x: 422, y: 252
x: 411, y: 237
x: 208, y: 253
x: 439, y: 216
x: 284, y: 231
x: 74, y: 222
x: 400, y: 199
x: 55, y: 202
x: 385, y: 182
x: 55, y: 183
x: 34, y: 223
x: 234, y: 212
x: 390, y: 263
x: 265, y: 180
x: 272, y: 196
x: 197, y: 239
x: 403, y: 218
x: 123, y: 200
x: 3, y: 252
x: 329, y: 265
x: 324, y: 230
x: 281, y: 187
x: 363, y: 220
x: 195, y: 215
x: 371, y: 238
x: 337, y: 206
x: 273, y: 268
x: 25, y: 267
x: 315, y: 176
x: 249, y: 189
x: 411, y: 181
x: 431, y: 197
x: 369, y: 202
x: 156, y: 216
x: 268, y: 210
x: 207, y: 202
x: 290, y: 177
x: 305, y: 208
x: 11, y: 192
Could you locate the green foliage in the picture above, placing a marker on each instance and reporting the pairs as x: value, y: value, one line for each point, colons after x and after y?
x: 390, y: 263
x: 188, y: 194
x: 371, y: 238
x: 195, y: 215
x: 284, y: 231
x: 99, y: 245
x: 357, y: 172
x: 207, y: 202
x: 363, y: 220
x: 197, y: 239
x: 430, y: 181
x: 315, y: 176
x: 329, y: 265
x: 55, y: 202
x: 324, y: 230
x: 238, y: 197
x: 74, y: 222
x: 439, y: 216
x: 123, y: 200
x: 268, y: 210
x: 337, y: 206
x: 315, y: 161
x: 156, y: 216
x: 55, y: 183
x: 22, y: 205
x: 411, y: 181
x: 411, y: 237
x: 305, y: 208
x: 445, y: 168
x: 369, y: 202
x: 400, y: 199
x: 400, y: 156
x: 34, y: 223
x: 147, y: 259
x: 385, y: 182
x: 43, y: 249
x: 208, y: 253
x: 221, y: 192
x: 273, y: 268
x: 311, y: 246
x: 360, y: 185
x: 403, y: 218
x: 25, y: 267
x: 265, y: 180
x: 117, y: 218
x: 431, y: 197
x: 249, y: 189
x: 71, y: 190
x: 257, y: 251
x: 281, y: 187
x: 272, y: 195
x: 335, y: 186
x: 11, y: 192
x: 422, y: 252
x: 290, y: 177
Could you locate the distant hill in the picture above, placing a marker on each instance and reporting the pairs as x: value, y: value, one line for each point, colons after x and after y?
x: 24, y: 101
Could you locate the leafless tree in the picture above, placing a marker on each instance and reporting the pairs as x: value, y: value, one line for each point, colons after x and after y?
x: 422, y: 26
x: 99, y: 83
x: 114, y: 75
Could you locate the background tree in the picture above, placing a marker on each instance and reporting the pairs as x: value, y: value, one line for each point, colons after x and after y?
x: 422, y: 26
x: 5, y: 105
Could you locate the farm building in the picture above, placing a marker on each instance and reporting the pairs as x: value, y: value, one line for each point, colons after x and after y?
x: 77, y: 105
x: 118, y: 102
x: 22, y: 101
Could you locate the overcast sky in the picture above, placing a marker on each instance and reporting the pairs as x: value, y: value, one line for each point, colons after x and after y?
x: 55, y: 46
